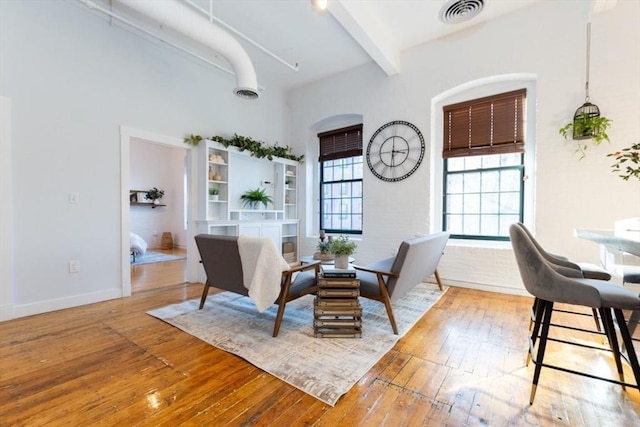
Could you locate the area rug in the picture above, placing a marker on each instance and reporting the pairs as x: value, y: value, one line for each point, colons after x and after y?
x: 325, y: 368
x: 151, y: 257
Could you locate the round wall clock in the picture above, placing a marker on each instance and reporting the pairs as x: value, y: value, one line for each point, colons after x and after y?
x: 395, y: 151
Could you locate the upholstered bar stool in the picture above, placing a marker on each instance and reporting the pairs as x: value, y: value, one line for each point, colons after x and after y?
x: 550, y: 287
x: 569, y: 269
x: 631, y: 274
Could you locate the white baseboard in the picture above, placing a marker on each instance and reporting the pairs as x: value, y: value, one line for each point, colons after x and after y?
x: 62, y: 303
x: 485, y: 287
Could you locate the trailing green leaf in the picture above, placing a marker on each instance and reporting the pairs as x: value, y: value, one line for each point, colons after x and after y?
x: 257, y: 149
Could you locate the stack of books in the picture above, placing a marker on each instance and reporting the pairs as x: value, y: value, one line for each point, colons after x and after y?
x: 329, y: 271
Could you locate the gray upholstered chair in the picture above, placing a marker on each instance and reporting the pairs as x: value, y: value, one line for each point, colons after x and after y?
x: 587, y: 270
x: 550, y: 287
x: 567, y: 268
x: 221, y: 260
x: 389, y: 279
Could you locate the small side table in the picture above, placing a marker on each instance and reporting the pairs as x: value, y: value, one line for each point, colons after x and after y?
x: 337, y: 310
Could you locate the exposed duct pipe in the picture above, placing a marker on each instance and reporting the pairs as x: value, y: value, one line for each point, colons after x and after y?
x: 171, y: 14
x: 212, y: 18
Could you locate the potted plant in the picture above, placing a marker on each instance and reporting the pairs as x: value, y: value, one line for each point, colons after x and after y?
x: 630, y: 154
x: 287, y: 183
x: 214, y: 193
x: 586, y: 126
x: 324, y: 251
x: 253, y: 198
x: 154, y: 195
x: 342, y: 248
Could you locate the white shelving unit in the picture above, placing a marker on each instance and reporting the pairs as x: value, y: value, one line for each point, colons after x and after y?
x: 233, y: 172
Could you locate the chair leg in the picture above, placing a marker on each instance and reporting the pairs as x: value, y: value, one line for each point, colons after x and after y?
x: 633, y: 321
x: 205, y: 292
x: 533, y: 312
x: 438, y: 279
x: 282, y: 302
x: 595, y: 319
x: 547, y: 308
x: 537, y: 311
x: 626, y: 338
x: 387, y: 304
x: 610, y: 331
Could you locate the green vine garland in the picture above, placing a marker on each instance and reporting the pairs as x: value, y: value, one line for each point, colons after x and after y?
x: 257, y: 149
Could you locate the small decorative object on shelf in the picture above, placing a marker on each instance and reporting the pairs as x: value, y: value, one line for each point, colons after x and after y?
x: 154, y: 195
x: 216, y: 158
x: 253, y: 198
x: 214, y: 193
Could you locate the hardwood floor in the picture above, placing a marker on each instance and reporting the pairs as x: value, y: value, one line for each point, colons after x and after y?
x: 146, y: 277
x: 462, y: 364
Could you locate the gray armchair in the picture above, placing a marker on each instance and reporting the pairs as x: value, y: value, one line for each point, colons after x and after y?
x: 221, y: 260
x: 389, y: 279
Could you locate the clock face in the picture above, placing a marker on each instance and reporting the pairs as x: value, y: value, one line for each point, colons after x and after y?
x: 395, y: 151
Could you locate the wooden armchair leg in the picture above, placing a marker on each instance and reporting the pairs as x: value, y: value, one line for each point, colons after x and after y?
x: 205, y: 292
x: 282, y: 302
x: 387, y: 304
x: 392, y: 319
x: 438, y: 280
x: 276, y: 326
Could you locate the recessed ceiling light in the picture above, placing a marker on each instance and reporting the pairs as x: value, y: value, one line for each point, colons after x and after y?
x: 320, y: 5
x: 457, y: 11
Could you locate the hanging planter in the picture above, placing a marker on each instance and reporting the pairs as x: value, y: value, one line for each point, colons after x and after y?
x: 587, y: 122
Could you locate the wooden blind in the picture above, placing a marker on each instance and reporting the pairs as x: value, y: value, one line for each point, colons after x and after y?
x: 490, y: 125
x: 340, y: 143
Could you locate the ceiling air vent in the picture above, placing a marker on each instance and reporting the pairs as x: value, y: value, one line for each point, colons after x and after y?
x: 457, y: 11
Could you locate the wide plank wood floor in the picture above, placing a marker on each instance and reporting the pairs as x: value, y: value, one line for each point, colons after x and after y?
x: 461, y: 365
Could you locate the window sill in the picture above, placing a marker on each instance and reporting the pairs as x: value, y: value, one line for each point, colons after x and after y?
x: 491, y: 244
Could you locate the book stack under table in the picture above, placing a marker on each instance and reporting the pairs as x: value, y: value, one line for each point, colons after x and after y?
x: 337, y: 310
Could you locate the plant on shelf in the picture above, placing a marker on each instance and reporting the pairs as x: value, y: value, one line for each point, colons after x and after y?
x: 631, y: 155
x: 154, y: 195
x: 253, y: 198
x: 214, y: 191
x: 288, y: 182
x: 586, y: 126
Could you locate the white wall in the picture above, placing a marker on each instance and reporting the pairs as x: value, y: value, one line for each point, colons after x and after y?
x: 73, y: 79
x: 546, y: 40
x: 154, y: 165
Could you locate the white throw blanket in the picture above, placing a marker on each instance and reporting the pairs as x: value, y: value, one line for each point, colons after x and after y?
x: 262, y: 267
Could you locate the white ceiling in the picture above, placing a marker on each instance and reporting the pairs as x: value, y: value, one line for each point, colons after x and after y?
x: 351, y: 33
x: 319, y: 42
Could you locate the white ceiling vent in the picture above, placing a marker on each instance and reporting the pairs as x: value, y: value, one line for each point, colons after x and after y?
x: 457, y: 11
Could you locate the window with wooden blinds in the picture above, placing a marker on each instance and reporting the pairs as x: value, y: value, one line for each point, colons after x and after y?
x: 340, y: 143
x: 490, y: 125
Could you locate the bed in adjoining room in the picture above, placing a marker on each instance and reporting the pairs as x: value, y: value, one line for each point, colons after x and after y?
x: 137, y: 245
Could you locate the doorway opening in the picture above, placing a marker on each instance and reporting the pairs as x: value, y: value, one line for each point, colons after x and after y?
x: 150, y: 160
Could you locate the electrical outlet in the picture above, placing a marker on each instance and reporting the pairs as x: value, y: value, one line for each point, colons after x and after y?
x: 74, y: 266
